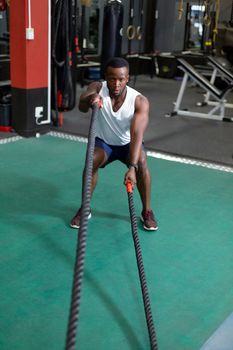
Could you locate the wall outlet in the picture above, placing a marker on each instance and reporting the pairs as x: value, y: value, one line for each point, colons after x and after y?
x: 30, y: 33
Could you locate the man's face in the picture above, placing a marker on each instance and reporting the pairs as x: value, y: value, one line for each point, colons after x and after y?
x: 116, y: 78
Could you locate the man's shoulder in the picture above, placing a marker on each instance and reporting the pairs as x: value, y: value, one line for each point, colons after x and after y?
x: 133, y: 91
x: 141, y: 100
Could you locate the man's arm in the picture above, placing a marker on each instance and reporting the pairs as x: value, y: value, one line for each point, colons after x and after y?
x: 90, y: 96
x: 138, y: 126
x: 137, y: 129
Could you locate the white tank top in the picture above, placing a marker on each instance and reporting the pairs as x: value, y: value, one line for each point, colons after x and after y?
x: 114, y: 127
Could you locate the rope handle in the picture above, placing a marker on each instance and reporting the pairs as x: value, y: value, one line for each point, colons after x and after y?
x: 129, y: 187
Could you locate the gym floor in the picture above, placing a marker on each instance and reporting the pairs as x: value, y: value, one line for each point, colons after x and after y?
x: 188, y: 261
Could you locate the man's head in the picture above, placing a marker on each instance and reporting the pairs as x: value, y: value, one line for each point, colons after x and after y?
x: 117, y: 75
x: 117, y: 62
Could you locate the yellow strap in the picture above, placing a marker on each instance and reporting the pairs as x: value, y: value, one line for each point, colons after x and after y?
x: 180, y: 9
x: 215, y: 30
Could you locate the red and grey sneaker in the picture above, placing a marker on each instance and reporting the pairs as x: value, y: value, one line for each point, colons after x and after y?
x: 75, y: 222
x: 149, y: 221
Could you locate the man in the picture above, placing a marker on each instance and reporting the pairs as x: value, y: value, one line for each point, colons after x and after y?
x: 120, y: 126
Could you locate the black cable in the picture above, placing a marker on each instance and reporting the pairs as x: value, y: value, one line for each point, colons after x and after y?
x: 82, y: 237
x: 141, y: 271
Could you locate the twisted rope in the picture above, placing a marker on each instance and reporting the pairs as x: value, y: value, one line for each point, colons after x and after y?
x: 141, y: 271
x: 82, y: 238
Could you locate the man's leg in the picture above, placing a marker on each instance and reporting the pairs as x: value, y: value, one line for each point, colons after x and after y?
x: 144, y: 181
x: 144, y: 188
x: 99, y: 158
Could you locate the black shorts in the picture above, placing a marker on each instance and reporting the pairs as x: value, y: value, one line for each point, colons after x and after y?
x: 114, y: 152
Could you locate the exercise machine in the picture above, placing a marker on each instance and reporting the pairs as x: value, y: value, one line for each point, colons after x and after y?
x: 225, y: 74
x: 218, y: 95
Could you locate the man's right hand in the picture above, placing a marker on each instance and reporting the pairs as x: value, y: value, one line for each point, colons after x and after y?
x: 90, y: 96
x: 130, y: 176
x: 96, y: 99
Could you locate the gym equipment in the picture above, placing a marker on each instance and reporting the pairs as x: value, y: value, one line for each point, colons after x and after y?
x: 180, y: 9
x: 64, y: 57
x: 83, y: 39
x: 145, y: 294
x: 139, y: 28
x: 3, y: 5
x: 199, y: 79
x: 218, y: 69
x: 5, y: 112
x: 135, y: 31
x: 112, y: 27
x: 139, y: 62
x: 4, y: 31
x: 82, y: 237
x: 231, y: 19
x: 151, y: 17
x: 131, y: 30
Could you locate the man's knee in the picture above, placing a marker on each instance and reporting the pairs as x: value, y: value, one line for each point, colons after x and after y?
x: 100, y: 158
x: 142, y: 162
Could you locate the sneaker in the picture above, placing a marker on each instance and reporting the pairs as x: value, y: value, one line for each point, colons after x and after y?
x: 75, y: 222
x: 149, y: 221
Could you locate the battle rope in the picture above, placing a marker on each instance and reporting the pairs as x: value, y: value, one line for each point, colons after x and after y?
x: 145, y: 294
x: 82, y: 237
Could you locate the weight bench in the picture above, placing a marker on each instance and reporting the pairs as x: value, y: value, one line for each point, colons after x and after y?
x: 218, y: 69
x: 218, y: 95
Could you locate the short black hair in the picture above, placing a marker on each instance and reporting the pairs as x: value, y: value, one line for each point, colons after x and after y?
x: 116, y: 62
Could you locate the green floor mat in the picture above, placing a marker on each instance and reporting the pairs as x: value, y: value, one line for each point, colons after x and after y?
x: 188, y: 261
